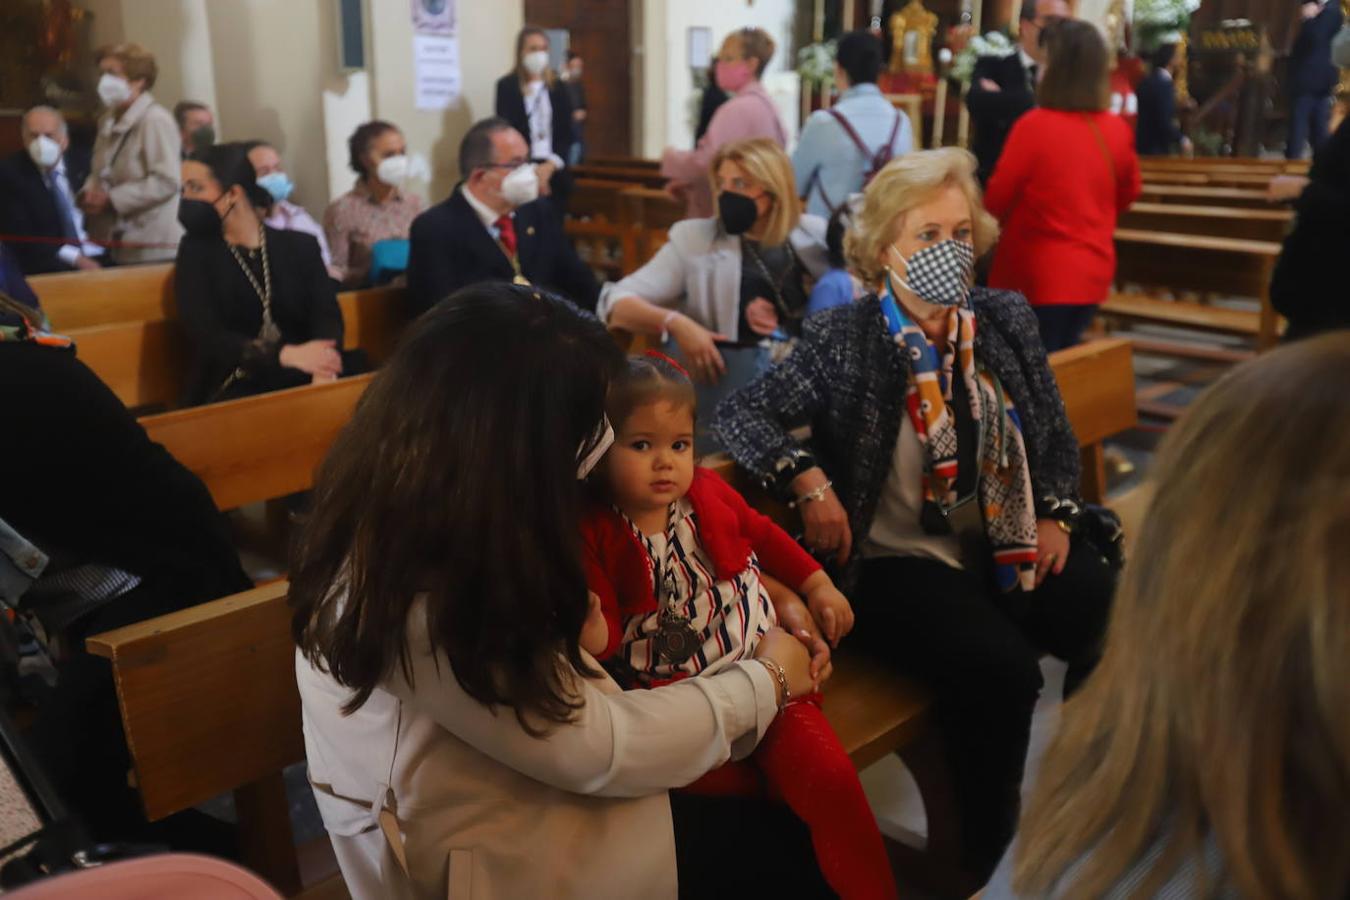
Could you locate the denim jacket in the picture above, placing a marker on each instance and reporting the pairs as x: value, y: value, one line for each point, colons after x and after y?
x: 21, y: 564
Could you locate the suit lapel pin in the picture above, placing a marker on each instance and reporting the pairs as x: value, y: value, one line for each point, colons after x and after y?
x: 530, y: 230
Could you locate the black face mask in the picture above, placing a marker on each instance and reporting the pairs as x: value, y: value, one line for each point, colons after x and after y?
x: 737, y: 211
x: 199, y: 218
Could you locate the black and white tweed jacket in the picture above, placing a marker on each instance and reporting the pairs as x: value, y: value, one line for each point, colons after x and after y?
x: 846, y: 378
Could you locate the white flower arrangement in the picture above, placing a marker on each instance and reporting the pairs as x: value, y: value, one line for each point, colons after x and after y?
x: 815, y: 65
x: 995, y: 43
x: 1162, y: 21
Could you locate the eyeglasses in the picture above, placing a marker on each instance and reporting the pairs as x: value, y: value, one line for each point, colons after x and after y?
x: 509, y: 164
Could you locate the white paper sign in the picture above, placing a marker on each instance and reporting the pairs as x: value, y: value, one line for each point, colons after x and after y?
x: 436, y: 74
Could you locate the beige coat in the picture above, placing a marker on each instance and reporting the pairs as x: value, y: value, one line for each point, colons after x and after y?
x: 426, y: 793
x: 137, y: 160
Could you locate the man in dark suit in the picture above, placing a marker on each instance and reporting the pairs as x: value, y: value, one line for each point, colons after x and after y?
x: 37, y: 198
x: 1157, y: 133
x: 1312, y: 76
x: 1004, y: 87
x: 492, y: 228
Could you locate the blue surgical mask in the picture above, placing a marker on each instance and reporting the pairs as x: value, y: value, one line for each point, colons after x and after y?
x: 278, y: 184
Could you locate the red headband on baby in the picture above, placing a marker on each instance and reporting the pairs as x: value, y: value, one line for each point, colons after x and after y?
x: 657, y: 354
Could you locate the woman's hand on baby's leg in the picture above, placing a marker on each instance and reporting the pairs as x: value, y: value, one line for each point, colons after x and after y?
x: 829, y: 608
x: 795, y: 619
x: 595, y: 630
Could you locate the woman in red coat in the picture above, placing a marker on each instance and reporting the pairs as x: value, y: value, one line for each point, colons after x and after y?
x: 1066, y: 173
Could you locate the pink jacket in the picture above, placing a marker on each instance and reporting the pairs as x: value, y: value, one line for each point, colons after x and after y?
x: 749, y: 114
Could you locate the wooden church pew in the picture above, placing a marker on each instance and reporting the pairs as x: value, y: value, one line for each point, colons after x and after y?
x: 1252, y: 179
x: 1183, y: 262
x: 120, y: 294
x: 622, y: 162
x: 639, y: 175
x: 1214, y: 221
x: 259, y: 448
x: 1224, y: 164
x: 600, y: 228
x: 1207, y: 195
x: 145, y: 362
x: 208, y: 695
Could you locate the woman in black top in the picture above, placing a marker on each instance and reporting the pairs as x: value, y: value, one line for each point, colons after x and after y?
x: 256, y: 302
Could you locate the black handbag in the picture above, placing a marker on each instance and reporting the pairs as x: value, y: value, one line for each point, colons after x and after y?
x: 1100, y: 528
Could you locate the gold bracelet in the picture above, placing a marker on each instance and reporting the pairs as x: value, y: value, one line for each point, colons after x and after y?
x: 780, y: 676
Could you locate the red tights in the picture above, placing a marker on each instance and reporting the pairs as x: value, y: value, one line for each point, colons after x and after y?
x: 801, y: 762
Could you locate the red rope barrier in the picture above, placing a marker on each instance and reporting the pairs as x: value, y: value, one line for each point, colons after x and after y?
x: 76, y: 242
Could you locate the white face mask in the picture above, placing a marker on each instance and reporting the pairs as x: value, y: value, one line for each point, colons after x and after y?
x: 521, y: 185
x: 393, y: 170
x: 113, y: 90
x: 606, y: 440
x: 535, y: 63
x: 44, y: 151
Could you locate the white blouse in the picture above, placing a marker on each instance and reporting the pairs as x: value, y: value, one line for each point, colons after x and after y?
x: 895, y: 528
x: 539, y: 110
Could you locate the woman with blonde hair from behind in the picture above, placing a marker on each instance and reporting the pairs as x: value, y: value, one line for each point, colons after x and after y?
x: 1209, y: 755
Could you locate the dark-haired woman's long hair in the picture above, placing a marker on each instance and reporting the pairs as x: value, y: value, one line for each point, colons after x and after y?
x: 456, y: 480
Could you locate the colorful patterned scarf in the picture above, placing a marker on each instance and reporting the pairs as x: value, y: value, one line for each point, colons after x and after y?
x: 1004, y: 480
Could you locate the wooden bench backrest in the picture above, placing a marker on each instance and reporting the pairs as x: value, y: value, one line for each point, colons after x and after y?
x: 122, y: 294
x: 1206, y: 195
x: 1215, y: 221
x: 622, y: 162
x: 208, y: 697
x: 373, y: 319
x: 1239, y: 179
x: 598, y: 200
x: 643, y: 176
x: 145, y: 362
x: 652, y: 212
x: 1223, y: 164
x: 1195, y: 262
x: 259, y: 448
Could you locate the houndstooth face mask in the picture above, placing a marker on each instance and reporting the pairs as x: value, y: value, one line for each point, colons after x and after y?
x: 940, y: 274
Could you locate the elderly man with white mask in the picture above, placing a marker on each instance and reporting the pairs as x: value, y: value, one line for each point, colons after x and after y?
x: 495, y: 227
x: 37, y: 198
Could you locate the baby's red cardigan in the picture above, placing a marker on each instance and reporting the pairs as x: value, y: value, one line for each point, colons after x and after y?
x: 618, y: 570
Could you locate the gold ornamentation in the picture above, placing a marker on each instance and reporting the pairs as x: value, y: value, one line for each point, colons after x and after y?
x: 912, y: 30
x: 1181, y: 82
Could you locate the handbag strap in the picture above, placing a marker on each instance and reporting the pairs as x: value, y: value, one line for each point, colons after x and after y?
x: 1101, y: 144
